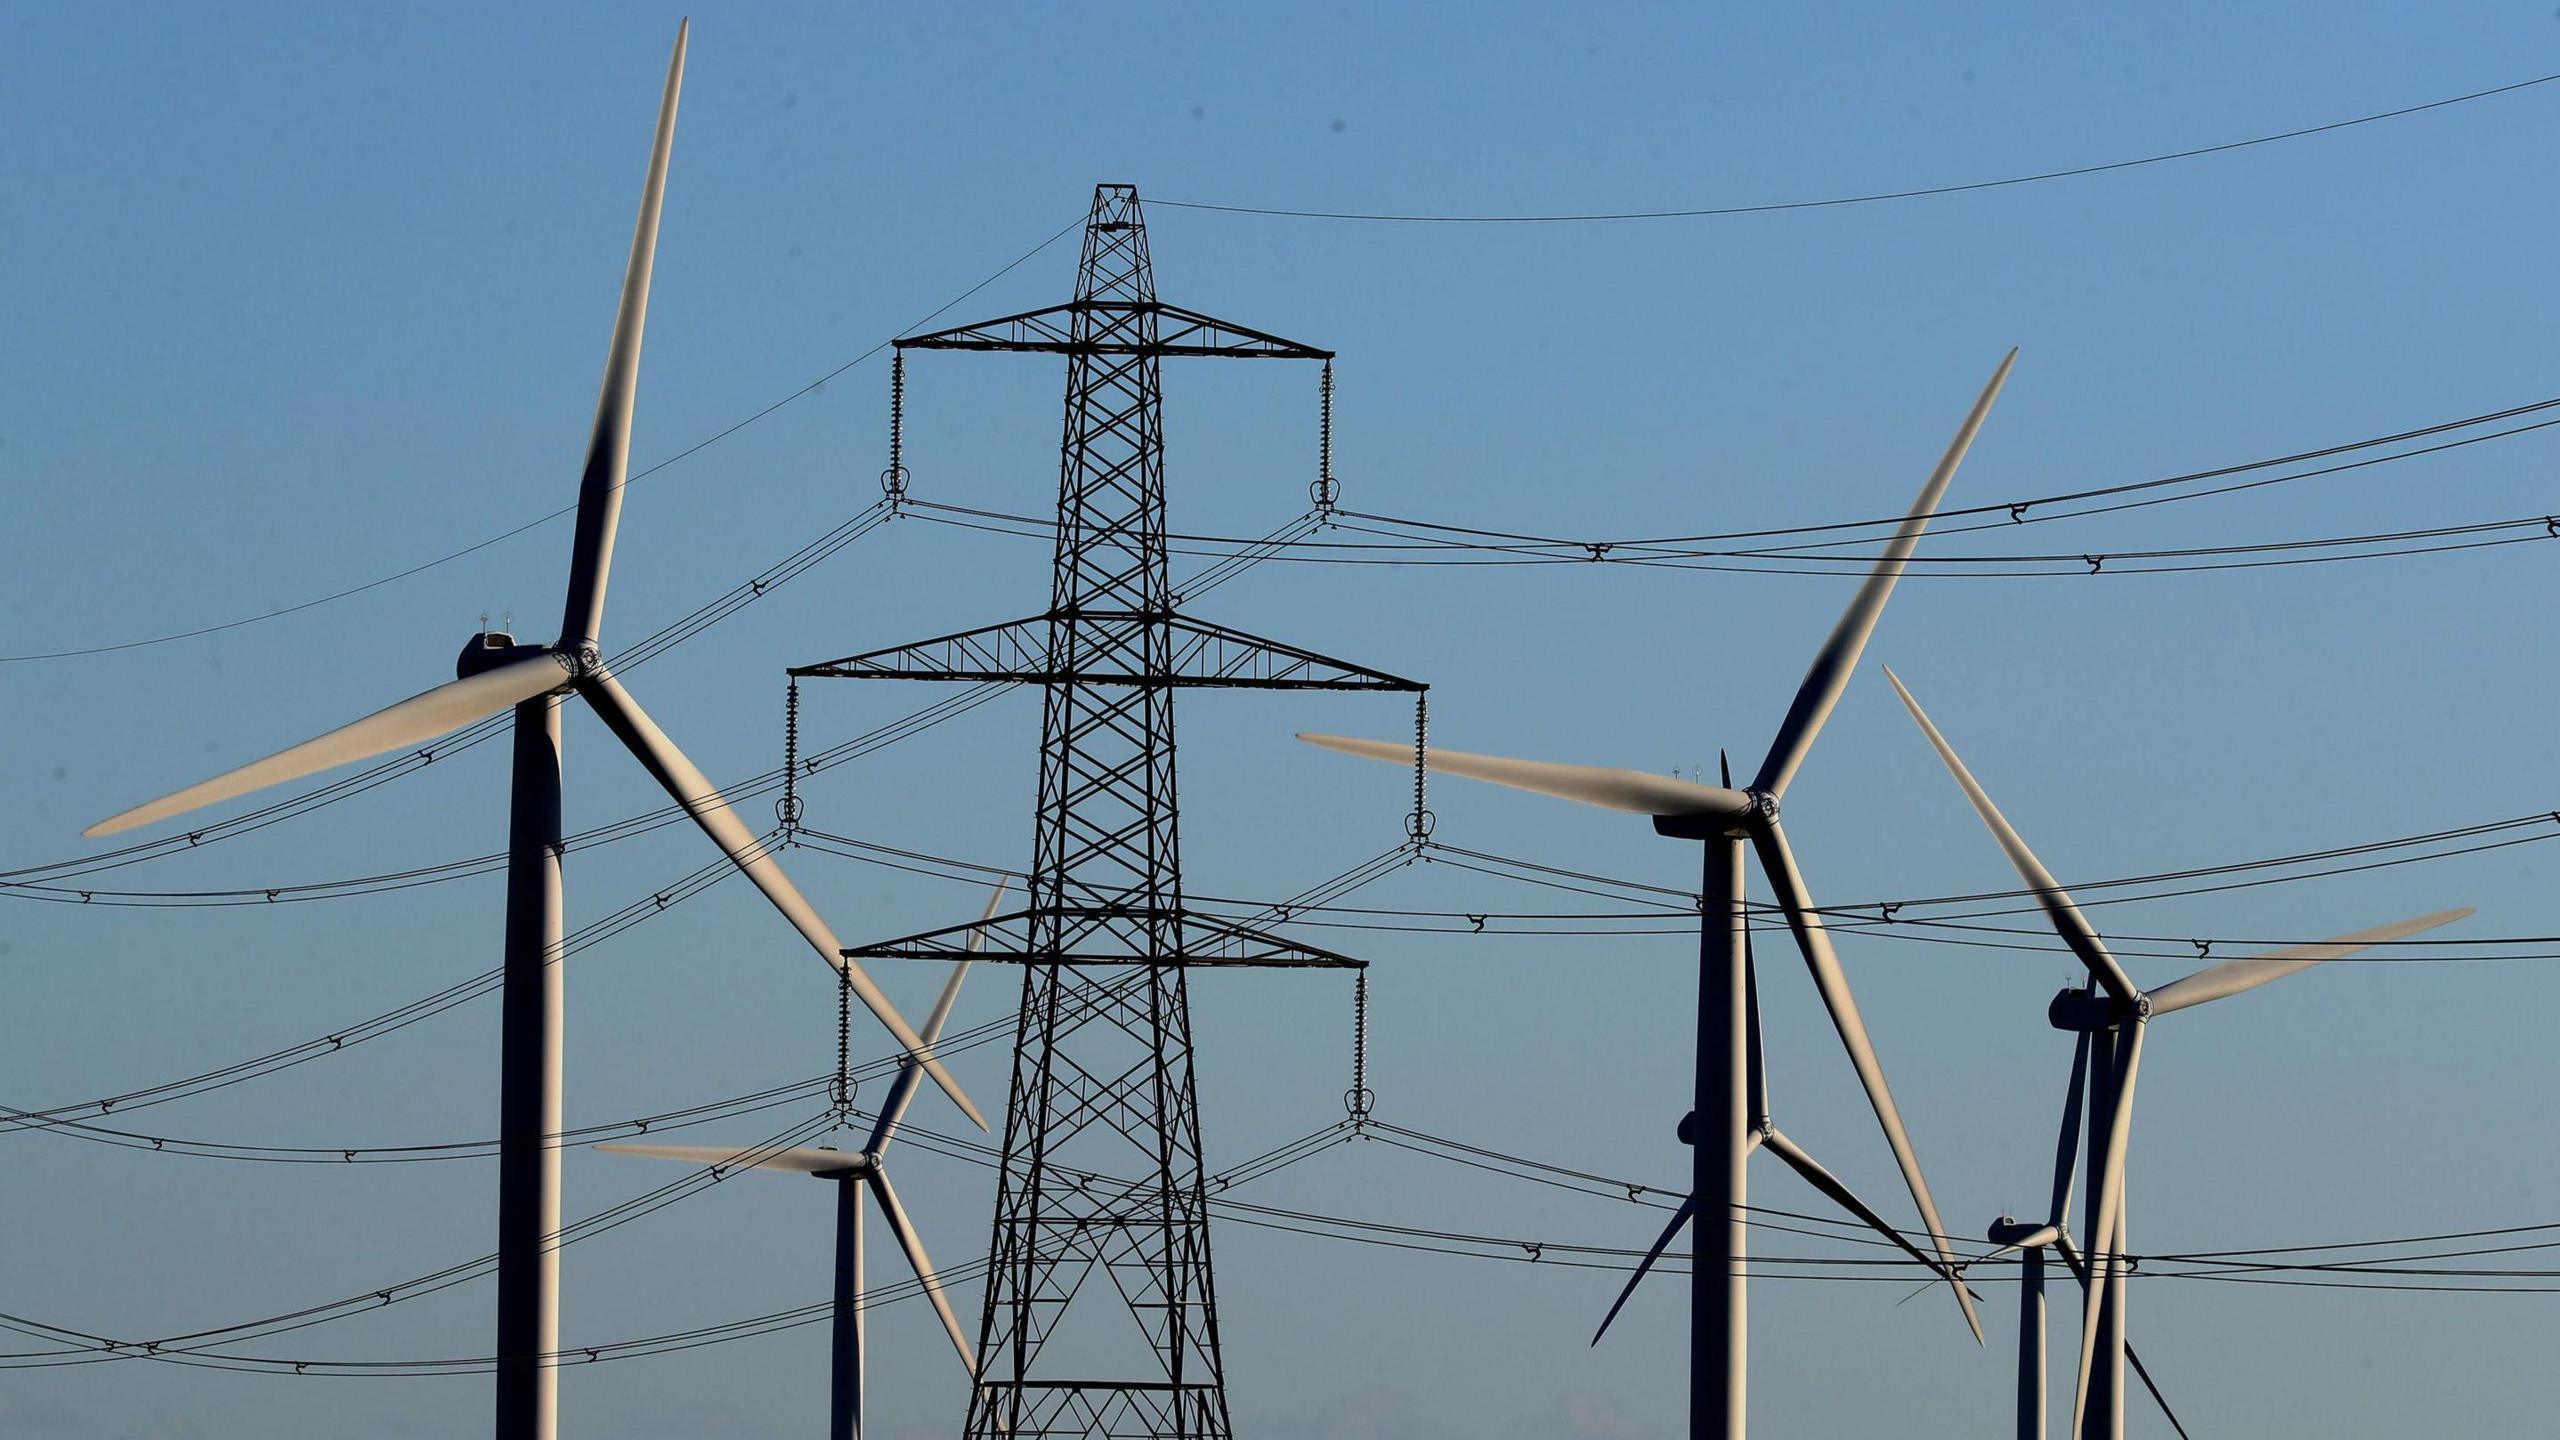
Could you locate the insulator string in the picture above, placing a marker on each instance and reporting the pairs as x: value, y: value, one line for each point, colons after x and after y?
x: 893, y: 481
x: 1359, y: 1100
x: 1417, y: 826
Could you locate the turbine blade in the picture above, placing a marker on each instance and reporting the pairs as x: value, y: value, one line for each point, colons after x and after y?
x: 921, y: 1263
x: 702, y: 801
x: 2135, y: 1359
x: 1779, y: 864
x: 902, y: 1090
x: 609, y: 447
x: 805, y: 1160
x: 2102, y: 1226
x: 2234, y: 976
x: 1838, y: 658
x: 1633, y: 791
x: 1829, y: 1184
x: 951, y: 988
x: 2066, y: 1153
x: 2074, y: 927
x: 1679, y: 1217
x: 1759, y: 1060
x: 414, y: 721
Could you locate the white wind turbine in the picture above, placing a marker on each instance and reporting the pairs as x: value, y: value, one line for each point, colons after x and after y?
x: 496, y: 674
x: 1721, y: 1126
x: 853, y: 1173
x: 2030, y: 1242
x: 2111, y: 1026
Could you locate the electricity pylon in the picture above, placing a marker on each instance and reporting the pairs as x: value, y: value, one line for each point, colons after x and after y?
x: 1102, y: 1175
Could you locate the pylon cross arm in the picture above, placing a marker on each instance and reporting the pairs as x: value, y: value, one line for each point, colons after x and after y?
x: 1201, y: 654
x: 1203, y: 942
x: 1051, y: 330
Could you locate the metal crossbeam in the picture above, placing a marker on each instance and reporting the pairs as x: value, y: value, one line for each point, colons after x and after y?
x: 1112, y: 327
x: 1201, y: 941
x: 1117, y: 646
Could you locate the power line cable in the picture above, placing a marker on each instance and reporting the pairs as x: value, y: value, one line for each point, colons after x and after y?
x: 695, y: 448
x: 1877, y: 197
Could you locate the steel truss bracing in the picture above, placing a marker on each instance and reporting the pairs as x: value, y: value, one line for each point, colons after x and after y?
x: 1102, y: 1082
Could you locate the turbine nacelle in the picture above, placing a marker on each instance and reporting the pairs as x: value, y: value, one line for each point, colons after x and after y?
x: 2011, y: 1234
x: 494, y: 649
x: 2077, y: 1009
x: 857, y: 1163
x: 1749, y: 811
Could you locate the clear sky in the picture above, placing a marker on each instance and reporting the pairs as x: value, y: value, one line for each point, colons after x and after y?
x: 299, y: 297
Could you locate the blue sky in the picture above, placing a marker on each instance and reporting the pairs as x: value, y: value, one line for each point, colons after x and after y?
x: 299, y: 297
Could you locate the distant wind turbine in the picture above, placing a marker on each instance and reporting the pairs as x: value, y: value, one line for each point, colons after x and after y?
x: 853, y: 1173
x: 496, y: 674
x: 1721, y: 1126
x: 2030, y: 1242
x: 2111, y: 1028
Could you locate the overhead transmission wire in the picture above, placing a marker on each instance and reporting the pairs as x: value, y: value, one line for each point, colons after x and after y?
x: 1870, y: 198
x: 432, y: 1282
x: 488, y: 981
x: 1452, y: 544
x: 13, y: 883
x: 26, y: 879
x: 1664, y: 903
x: 685, y: 1118
x: 61, y: 1118
x: 1824, y: 203
x: 1887, y: 918
x: 2229, y: 1266
x: 1669, y: 903
x: 1854, y: 1233
x: 811, y: 388
x: 1279, y: 544
x: 388, y: 1022
x: 83, y: 1347
x: 2039, y: 509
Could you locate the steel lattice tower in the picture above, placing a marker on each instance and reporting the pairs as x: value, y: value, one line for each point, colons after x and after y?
x: 1102, y: 1176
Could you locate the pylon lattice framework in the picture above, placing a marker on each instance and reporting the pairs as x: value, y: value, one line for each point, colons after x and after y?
x: 1102, y: 1083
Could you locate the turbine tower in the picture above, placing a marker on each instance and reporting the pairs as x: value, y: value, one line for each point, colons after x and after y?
x: 495, y: 675
x: 1102, y: 1083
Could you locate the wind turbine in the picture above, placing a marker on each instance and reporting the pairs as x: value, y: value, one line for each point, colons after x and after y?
x: 2030, y: 1242
x: 852, y: 1174
x: 1721, y: 1127
x: 2111, y: 1026
x: 496, y: 674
